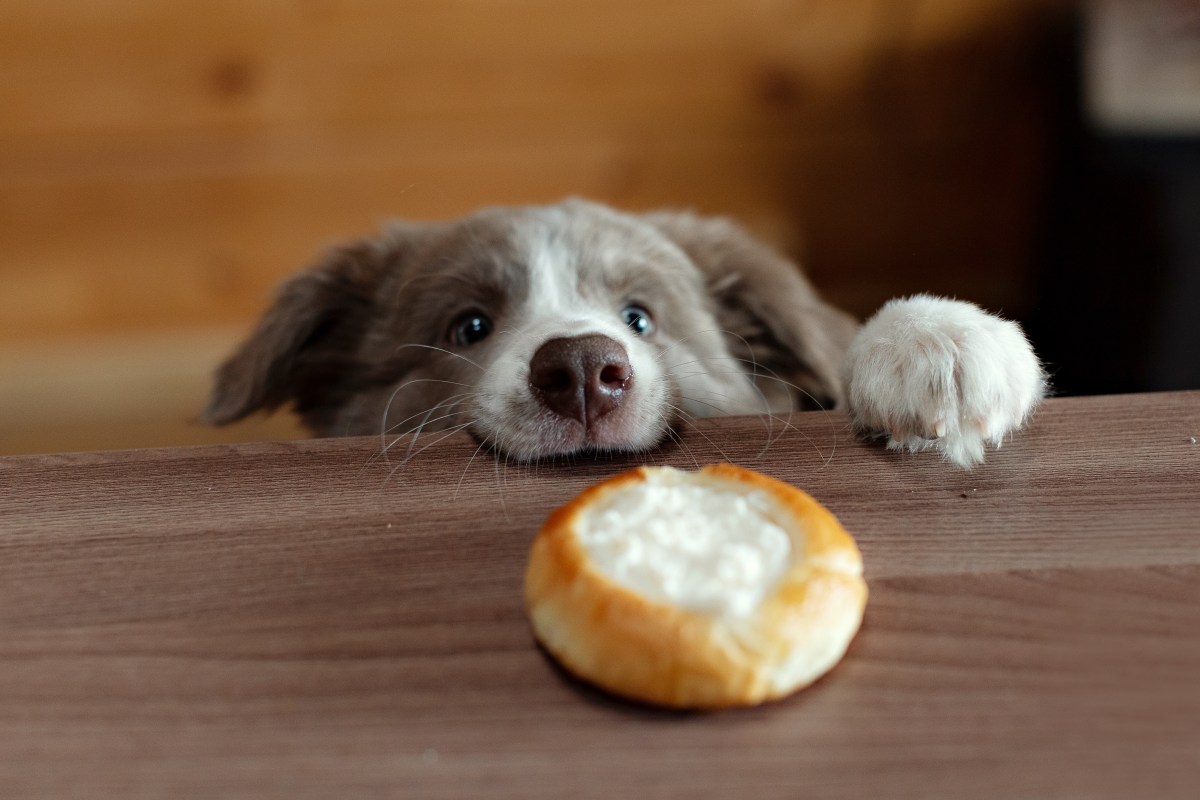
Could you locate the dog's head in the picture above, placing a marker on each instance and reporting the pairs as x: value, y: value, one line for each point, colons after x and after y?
x: 542, y: 330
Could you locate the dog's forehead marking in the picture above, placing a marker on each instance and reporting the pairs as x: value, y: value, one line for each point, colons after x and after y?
x: 554, y: 264
x: 560, y: 260
x: 552, y: 275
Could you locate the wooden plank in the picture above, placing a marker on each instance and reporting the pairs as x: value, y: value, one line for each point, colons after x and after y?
x: 955, y: 687
x: 298, y: 620
x: 1105, y: 480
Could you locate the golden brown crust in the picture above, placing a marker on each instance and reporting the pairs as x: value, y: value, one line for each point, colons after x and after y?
x: 657, y: 652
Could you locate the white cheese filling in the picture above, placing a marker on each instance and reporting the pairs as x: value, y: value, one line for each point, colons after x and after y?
x: 698, y: 546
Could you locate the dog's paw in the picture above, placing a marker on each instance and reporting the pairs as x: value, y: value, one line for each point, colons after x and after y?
x: 934, y: 373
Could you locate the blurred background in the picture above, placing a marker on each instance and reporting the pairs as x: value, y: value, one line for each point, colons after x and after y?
x: 164, y: 164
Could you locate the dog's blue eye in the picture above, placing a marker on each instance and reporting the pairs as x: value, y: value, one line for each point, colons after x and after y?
x: 469, y: 329
x: 638, y: 319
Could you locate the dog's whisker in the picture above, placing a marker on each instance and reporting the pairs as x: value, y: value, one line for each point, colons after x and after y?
x: 401, y: 436
x: 753, y: 383
x: 428, y: 380
x: 441, y: 350
x: 403, y: 464
x: 451, y: 431
x: 387, y: 408
x: 448, y: 433
x: 788, y: 425
x: 767, y: 415
x: 424, y: 422
x: 768, y: 418
x: 722, y: 331
x: 766, y: 404
x: 692, y: 421
x: 459, y: 398
x: 384, y: 446
x: 754, y: 366
x: 770, y: 375
x: 693, y: 335
x: 828, y: 418
x: 713, y: 406
x: 417, y: 433
x: 502, y: 489
x: 530, y: 469
x: 673, y: 436
x: 467, y: 468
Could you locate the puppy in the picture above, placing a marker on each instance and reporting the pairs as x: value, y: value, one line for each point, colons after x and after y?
x: 552, y: 330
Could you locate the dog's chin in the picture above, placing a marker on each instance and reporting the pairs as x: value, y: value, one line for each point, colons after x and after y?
x: 559, y: 438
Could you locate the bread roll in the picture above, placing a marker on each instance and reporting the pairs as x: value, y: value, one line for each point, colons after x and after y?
x: 705, y: 589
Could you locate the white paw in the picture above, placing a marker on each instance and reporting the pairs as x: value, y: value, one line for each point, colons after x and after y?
x: 942, y: 374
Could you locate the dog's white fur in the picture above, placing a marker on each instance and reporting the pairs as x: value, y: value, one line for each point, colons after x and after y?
x: 926, y: 372
x: 943, y: 374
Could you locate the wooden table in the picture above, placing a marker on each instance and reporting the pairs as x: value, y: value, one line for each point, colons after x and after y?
x: 306, y: 619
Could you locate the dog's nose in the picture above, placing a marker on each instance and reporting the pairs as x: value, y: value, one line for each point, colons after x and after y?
x: 581, y: 377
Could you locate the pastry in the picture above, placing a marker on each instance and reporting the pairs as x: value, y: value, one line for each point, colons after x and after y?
x: 705, y: 589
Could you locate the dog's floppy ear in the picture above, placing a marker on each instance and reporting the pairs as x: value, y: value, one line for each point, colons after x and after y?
x: 304, y: 348
x: 774, y: 316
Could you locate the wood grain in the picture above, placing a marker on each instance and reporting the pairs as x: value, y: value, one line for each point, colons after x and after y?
x: 164, y: 165
x: 305, y: 619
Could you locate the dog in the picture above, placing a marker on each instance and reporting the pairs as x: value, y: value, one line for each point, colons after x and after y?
x: 553, y: 330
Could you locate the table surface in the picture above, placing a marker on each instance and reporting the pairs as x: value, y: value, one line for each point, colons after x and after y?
x: 312, y: 619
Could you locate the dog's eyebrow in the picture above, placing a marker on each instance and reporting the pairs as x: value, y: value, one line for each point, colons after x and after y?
x: 472, y: 264
x: 640, y: 275
x: 492, y: 289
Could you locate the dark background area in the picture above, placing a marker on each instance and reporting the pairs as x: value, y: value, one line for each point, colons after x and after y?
x: 1118, y: 261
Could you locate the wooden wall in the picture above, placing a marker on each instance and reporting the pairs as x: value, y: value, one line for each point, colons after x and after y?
x: 164, y: 164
